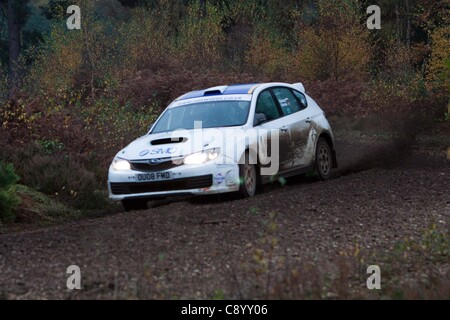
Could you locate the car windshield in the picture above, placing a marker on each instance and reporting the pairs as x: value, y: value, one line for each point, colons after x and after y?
x: 211, y: 114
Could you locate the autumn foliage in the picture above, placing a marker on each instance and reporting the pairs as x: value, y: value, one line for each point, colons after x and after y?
x: 86, y: 93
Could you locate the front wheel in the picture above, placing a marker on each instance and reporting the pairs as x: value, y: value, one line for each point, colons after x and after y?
x: 247, y: 178
x: 134, y: 204
x: 324, y: 160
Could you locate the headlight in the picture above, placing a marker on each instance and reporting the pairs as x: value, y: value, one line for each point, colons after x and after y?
x: 121, y: 164
x: 202, y: 157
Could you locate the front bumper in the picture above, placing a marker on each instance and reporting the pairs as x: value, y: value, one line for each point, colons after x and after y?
x: 208, y: 178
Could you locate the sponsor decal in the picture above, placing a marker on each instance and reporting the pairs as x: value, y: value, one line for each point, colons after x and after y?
x: 163, y: 151
x: 213, y: 98
x: 219, y: 178
x: 144, y: 153
x: 168, y: 151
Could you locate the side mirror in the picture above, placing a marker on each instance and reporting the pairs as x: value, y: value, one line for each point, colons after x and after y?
x: 150, y: 127
x: 259, y: 119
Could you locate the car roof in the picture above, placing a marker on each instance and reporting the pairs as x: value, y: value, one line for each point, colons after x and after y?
x: 222, y: 90
x: 236, y: 89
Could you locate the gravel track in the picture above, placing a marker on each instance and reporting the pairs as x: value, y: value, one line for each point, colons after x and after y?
x: 195, y: 248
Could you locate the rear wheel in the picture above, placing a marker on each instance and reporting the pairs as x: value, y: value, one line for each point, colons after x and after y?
x: 324, y: 159
x: 248, y: 179
x: 134, y: 204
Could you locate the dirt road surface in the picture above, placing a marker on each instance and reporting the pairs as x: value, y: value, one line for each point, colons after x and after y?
x: 219, y: 248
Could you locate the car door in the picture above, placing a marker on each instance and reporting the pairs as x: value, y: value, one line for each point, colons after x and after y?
x: 297, y: 119
x: 266, y: 105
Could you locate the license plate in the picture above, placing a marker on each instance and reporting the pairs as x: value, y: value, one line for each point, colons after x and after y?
x: 154, y: 176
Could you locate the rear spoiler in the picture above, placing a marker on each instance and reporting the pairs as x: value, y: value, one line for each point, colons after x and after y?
x: 300, y: 87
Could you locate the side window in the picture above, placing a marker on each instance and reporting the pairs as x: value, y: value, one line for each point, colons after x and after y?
x: 288, y: 103
x: 301, y: 97
x: 266, y: 105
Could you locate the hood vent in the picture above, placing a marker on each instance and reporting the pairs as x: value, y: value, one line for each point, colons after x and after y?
x: 212, y: 92
x: 168, y: 141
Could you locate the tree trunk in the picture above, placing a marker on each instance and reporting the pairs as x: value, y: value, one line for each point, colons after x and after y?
x: 448, y: 109
x: 397, y: 23
x: 202, y: 8
x: 14, y: 47
x: 408, y: 24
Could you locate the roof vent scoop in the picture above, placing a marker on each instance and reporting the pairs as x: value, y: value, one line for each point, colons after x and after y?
x: 168, y: 141
x: 215, y: 90
x: 300, y: 87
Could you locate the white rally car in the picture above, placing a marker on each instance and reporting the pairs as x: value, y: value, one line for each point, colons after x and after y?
x: 225, y: 139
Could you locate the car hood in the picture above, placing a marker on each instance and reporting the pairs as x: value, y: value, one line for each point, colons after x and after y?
x: 176, y: 144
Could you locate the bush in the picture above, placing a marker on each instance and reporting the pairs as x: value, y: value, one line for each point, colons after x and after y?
x: 201, y: 39
x: 115, y: 125
x: 150, y: 48
x: 397, y: 64
x: 336, y: 45
x: 55, y: 67
x: 3, y: 85
x: 438, y: 73
x: 84, y: 62
x: 8, y: 197
x: 63, y: 176
x: 269, y: 56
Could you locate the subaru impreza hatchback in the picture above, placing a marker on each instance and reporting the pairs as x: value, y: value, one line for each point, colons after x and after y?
x: 225, y: 139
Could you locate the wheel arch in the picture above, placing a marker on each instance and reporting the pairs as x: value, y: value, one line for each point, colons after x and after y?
x: 327, y: 137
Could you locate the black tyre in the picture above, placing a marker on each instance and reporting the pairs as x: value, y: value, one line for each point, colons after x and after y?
x: 248, y: 179
x: 324, y: 160
x: 134, y: 204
